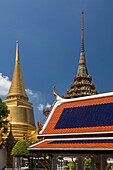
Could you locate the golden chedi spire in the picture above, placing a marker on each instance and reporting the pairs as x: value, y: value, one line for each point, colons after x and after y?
x: 83, y: 85
x: 17, y: 87
x: 21, y: 111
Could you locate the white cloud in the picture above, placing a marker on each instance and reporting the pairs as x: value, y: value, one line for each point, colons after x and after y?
x: 48, y: 105
x: 29, y: 91
x: 4, y: 85
x: 40, y: 107
x: 32, y: 94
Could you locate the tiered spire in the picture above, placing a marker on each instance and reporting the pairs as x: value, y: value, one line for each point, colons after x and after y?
x: 82, y: 82
x: 17, y: 87
x: 82, y: 69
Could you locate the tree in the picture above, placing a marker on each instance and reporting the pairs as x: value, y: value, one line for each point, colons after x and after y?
x: 88, y: 164
x: 109, y: 166
x: 20, y: 150
x: 4, y: 112
x: 72, y: 165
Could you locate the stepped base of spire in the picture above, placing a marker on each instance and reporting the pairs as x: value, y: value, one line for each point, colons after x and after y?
x: 82, y: 87
x: 22, y: 116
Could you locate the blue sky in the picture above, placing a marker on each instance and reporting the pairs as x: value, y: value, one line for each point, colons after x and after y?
x: 49, y: 35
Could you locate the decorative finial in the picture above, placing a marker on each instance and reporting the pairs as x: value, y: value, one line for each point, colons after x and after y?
x: 39, y: 126
x: 17, y: 51
x: 11, y: 124
x: 54, y: 92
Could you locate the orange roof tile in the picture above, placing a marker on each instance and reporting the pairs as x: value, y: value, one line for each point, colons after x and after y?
x: 48, y: 145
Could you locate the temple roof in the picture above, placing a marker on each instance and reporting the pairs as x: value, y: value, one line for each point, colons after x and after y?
x: 17, y: 86
x: 74, y: 144
x: 84, y: 123
x: 81, y: 115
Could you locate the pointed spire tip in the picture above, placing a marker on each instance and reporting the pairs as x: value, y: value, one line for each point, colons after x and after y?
x: 17, y: 51
x: 82, y: 41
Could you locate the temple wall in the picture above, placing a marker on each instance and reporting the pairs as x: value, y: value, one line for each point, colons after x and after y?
x: 3, y: 155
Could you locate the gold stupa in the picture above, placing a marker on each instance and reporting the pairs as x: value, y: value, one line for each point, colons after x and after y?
x: 21, y: 111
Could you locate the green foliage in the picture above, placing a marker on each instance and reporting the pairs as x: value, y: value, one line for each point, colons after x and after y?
x: 20, y: 149
x: 88, y: 164
x: 4, y: 112
x: 80, y: 71
x: 72, y: 165
x: 110, y: 165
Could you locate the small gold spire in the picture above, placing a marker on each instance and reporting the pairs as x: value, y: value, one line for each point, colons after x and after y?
x: 17, y: 51
x: 39, y: 126
x: 1, y: 137
x: 10, y: 123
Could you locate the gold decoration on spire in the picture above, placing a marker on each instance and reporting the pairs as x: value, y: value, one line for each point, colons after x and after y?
x: 17, y: 87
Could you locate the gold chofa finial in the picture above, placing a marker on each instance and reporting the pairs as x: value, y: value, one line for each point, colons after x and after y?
x: 54, y: 91
x: 17, y: 51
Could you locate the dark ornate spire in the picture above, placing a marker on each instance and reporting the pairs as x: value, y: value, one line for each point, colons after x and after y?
x: 82, y: 82
x: 82, y: 69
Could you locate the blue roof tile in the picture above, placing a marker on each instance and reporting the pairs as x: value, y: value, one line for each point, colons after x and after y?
x: 82, y: 141
x: 86, y: 116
